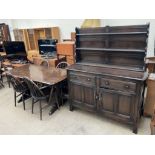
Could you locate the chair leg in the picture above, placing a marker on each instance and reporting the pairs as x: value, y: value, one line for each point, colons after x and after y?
x: 15, y: 97
x: 40, y: 110
x: 8, y: 81
x: 23, y: 101
x: 32, y: 104
x: 56, y: 99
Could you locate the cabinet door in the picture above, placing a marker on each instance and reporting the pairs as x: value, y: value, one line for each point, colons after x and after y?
x: 115, y: 103
x: 106, y: 101
x: 82, y: 96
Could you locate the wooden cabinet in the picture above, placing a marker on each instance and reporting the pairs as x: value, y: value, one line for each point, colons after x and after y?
x: 109, y: 75
x: 150, y: 96
x: 152, y: 124
x: 67, y: 49
x: 4, y: 35
x: 31, y: 36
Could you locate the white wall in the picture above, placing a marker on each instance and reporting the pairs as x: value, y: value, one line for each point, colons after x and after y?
x: 151, y: 40
x: 66, y: 25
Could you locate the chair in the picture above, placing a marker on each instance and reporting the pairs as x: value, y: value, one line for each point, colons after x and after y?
x: 1, y: 75
x: 19, y: 87
x: 37, y: 94
x: 3, y: 71
x: 45, y: 63
x: 62, y: 65
x: 63, y: 84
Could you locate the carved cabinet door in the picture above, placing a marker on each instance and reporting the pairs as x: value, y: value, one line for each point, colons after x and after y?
x: 115, y: 103
x: 82, y: 96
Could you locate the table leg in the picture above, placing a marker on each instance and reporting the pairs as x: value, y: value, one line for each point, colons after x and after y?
x: 55, y: 106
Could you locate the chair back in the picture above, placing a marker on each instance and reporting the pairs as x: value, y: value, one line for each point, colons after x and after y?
x: 45, y: 63
x: 34, y: 89
x: 17, y: 84
x: 62, y: 65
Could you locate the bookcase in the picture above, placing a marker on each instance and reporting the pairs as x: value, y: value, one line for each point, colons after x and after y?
x: 4, y: 34
x: 31, y: 36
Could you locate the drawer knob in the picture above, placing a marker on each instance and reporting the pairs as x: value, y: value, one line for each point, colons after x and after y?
x: 88, y: 79
x: 107, y: 82
x: 126, y: 86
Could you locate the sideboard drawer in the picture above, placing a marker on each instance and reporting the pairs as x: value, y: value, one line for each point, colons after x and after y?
x: 84, y: 79
x: 118, y: 85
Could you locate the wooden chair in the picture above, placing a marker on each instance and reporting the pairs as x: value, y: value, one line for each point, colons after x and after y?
x: 1, y: 72
x: 63, y: 84
x: 37, y: 94
x: 1, y: 75
x: 45, y: 63
x: 19, y: 87
x: 62, y: 65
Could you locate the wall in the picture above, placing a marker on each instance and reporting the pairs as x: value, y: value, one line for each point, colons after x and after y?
x: 151, y: 39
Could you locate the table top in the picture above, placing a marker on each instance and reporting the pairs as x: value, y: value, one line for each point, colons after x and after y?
x: 41, y: 74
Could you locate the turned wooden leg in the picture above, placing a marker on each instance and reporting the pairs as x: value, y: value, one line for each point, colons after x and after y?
x: 32, y: 104
x: 23, y: 101
x: 135, y: 128
x: 71, y: 107
x: 40, y: 110
x: 15, y: 97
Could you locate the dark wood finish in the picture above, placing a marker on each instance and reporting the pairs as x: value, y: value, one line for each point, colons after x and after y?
x: 110, y: 72
x: 40, y: 74
x: 4, y: 35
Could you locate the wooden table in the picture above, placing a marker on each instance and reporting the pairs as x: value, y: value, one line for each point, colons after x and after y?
x: 50, y: 76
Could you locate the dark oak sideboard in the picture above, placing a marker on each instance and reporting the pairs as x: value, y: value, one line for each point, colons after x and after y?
x: 109, y: 76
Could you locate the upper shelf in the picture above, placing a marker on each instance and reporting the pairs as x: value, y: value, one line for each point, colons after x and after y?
x: 112, y: 49
x: 111, y: 33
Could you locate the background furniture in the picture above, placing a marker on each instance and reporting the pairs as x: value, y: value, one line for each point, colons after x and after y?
x: 152, y: 124
x: 52, y: 61
x: 31, y: 36
x: 67, y: 49
x: 150, y: 96
x: 4, y: 35
x: 150, y: 62
x: 110, y: 72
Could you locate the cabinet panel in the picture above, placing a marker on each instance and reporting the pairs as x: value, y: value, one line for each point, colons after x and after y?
x: 116, y: 103
x: 82, y: 96
x: 106, y: 101
x: 124, y: 105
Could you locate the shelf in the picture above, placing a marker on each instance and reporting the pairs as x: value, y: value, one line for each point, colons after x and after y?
x: 111, y: 49
x: 134, y: 68
x: 111, y: 33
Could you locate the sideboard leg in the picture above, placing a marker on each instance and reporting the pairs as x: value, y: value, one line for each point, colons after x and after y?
x: 135, y: 129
